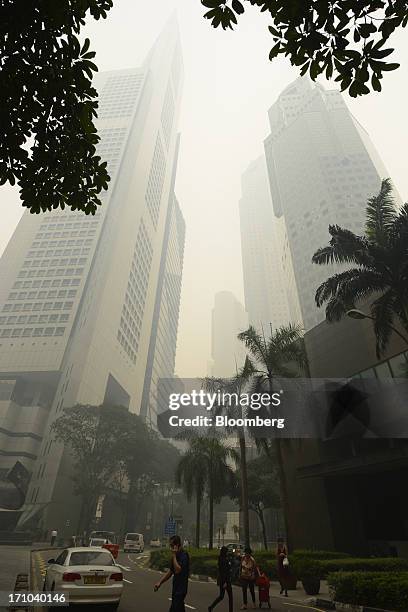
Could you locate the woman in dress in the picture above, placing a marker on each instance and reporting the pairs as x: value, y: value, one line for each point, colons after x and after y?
x: 283, y: 566
x: 248, y: 575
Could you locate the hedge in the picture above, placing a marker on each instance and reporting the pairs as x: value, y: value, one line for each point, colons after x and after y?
x: 323, y: 568
x: 387, y: 590
x: 301, y: 562
x: 204, y: 561
x: 321, y: 555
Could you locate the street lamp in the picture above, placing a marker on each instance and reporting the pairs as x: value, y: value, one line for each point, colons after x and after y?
x: 354, y: 313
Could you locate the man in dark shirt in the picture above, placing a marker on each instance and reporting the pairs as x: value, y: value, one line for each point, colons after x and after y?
x: 179, y: 569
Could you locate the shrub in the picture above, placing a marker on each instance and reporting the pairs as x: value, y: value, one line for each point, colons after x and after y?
x: 321, y: 555
x: 386, y: 564
x: 388, y: 590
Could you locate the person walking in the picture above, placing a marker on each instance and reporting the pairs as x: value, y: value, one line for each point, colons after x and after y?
x: 282, y: 566
x: 224, y: 580
x: 248, y: 576
x: 54, y: 534
x: 180, y: 570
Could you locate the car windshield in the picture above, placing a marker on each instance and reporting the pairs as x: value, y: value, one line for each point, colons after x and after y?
x: 133, y: 537
x: 90, y: 558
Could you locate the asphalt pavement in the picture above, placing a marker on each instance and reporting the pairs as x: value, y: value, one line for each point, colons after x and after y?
x: 138, y: 594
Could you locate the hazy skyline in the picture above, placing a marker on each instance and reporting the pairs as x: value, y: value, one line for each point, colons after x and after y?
x: 229, y: 86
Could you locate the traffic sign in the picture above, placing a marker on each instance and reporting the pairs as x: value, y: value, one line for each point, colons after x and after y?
x: 170, y: 527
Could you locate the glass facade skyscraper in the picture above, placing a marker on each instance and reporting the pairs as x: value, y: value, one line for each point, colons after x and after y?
x: 78, y: 294
x: 322, y: 169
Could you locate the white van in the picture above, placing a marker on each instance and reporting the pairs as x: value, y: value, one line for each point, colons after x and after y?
x: 134, y: 542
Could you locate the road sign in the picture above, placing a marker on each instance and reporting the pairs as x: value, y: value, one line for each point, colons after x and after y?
x: 170, y: 527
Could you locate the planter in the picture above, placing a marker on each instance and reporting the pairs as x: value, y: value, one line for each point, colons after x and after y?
x: 311, y: 585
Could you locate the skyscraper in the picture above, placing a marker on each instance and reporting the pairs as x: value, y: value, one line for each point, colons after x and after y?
x: 228, y: 319
x: 163, y: 339
x: 322, y: 168
x: 262, y: 235
x: 78, y: 294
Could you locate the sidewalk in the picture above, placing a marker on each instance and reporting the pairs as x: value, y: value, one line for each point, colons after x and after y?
x: 299, y: 594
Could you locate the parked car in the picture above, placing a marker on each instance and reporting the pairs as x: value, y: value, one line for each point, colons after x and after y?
x: 156, y: 543
x: 88, y: 575
x: 134, y: 542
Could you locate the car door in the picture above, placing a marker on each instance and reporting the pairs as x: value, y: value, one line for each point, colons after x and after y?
x: 55, y: 571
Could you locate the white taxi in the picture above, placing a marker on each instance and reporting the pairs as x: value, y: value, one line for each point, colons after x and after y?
x: 87, y: 575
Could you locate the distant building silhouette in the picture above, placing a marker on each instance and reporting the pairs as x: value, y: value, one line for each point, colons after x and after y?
x: 228, y: 319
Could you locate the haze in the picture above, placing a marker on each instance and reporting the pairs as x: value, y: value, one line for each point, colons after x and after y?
x: 229, y: 86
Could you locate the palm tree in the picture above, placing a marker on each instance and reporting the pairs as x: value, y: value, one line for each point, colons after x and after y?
x: 191, y: 474
x: 220, y: 475
x: 235, y: 386
x: 281, y: 355
x: 380, y: 267
x: 208, y: 467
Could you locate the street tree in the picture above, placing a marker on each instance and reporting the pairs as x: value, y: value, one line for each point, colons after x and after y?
x: 48, y: 104
x: 281, y: 354
x: 191, y: 476
x: 91, y: 433
x: 377, y: 267
x: 345, y: 38
x: 263, y: 490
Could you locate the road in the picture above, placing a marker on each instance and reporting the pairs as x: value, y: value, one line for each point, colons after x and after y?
x: 13, y: 560
x: 138, y: 595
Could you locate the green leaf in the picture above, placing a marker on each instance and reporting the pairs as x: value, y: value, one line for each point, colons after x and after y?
x: 238, y: 7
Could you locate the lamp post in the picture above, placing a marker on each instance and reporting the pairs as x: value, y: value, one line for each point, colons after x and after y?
x: 354, y: 313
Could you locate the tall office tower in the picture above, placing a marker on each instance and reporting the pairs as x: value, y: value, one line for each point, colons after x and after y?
x: 262, y: 246
x: 228, y: 319
x: 78, y: 294
x: 322, y: 168
x: 163, y: 339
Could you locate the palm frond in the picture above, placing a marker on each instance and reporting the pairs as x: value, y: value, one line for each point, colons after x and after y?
x: 254, y: 342
x: 344, y: 247
x: 383, y: 311
x: 381, y: 214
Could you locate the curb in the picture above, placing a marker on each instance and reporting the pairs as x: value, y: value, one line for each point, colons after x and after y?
x: 21, y: 584
x: 328, y: 604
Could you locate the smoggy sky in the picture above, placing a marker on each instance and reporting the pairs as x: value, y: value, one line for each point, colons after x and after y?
x: 229, y: 86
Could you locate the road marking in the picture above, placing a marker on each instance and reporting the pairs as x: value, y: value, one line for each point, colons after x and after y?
x: 185, y: 605
x: 129, y: 581
x: 127, y: 569
x: 298, y: 605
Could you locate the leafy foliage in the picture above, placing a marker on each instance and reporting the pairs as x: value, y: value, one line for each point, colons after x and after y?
x: 48, y: 104
x: 92, y: 434
x: 342, y: 37
x: 263, y: 489
x: 205, y: 467
x: 388, y: 590
x: 380, y: 260
x: 282, y: 354
x: 113, y: 449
